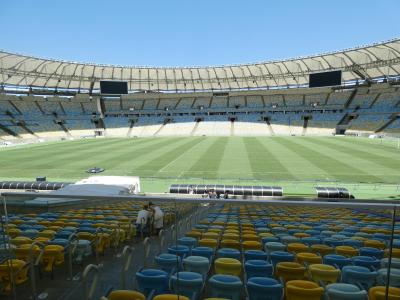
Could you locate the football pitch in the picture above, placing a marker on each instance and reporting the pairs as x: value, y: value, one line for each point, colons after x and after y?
x: 296, y: 163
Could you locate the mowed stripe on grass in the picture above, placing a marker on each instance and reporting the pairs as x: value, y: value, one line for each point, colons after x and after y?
x: 81, y: 156
x: 179, y: 166
x: 371, y: 145
x: 48, y: 151
x: 130, y: 160
x: 326, y: 160
x: 154, y: 166
x: 384, y: 168
x: 208, y: 164
x: 235, y: 162
x: 297, y: 166
x: 264, y: 161
x: 376, y: 157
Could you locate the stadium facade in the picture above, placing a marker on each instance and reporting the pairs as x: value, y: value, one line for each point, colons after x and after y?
x: 47, y: 98
x: 300, y: 248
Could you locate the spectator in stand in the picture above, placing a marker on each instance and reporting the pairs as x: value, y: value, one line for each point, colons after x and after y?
x: 191, y: 191
x: 226, y: 195
x: 142, y: 220
x: 158, y: 218
x: 212, y: 194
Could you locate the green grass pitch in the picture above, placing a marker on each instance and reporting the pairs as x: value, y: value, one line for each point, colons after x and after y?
x: 366, y: 166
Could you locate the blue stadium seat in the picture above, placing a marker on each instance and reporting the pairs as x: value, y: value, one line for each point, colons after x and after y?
x: 258, y: 268
x: 262, y: 288
x: 226, y: 286
x: 149, y: 280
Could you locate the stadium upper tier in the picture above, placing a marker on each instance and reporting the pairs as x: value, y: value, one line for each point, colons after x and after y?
x: 377, y: 61
x: 308, y: 111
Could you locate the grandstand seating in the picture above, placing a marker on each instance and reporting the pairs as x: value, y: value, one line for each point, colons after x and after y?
x: 254, y: 101
x: 201, y: 102
x: 338, y: 99
x: 304, y: 250
x: 369, y: 122
x: 81, y: 231
x: 184, y: 103
x: 71, y: 107
x: 309, y: 265
x: 373, y: 107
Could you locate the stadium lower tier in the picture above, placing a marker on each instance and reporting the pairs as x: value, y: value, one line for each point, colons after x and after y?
x: 234, y: 252
x: 286, y: 125
x: 310, y: 112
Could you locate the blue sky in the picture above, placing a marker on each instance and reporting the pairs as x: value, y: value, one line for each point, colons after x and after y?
x: 188, y: 33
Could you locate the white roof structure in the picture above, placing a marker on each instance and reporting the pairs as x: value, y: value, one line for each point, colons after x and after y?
x: 379, y: 60
x: 132, y: 183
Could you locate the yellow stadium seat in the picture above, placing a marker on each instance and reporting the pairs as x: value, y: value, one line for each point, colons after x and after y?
x: 247, y: 226
x: 23, y: 251
x: 54, y: 227
x: 306, y: 258
x: 347, y: 251
x: 103, y: 242
x: 324, y: 273
x: 204, y: 222
x: 216, y: 230
x: 17, y: 222
x: 227, y: 243
x: 42, y: 240
x: 248, y: 231
x: 20, y: 240
x: 322, y: 249
x: 13, y: 232
x: 47, y: 234
x: 228, y: 266
x: 303, y: 290
x: 194, y: 234
x: 170, y: 297
x: 289, y: 271
x: 232, y: 230
x: 220, y: 223
x: 301, y: 235
x: 230, y: 236
x: 395, y: 252
x: 86, y: 236
x: 53, y: 256
x: 208, y: 243
x: 211, y: 235
x: 250, y: 237
x: 17, y: 269
x: 125, y: 295
x: 305, y: 227
x: 368, y: 230
x: 297, y: 248
x: 251, y: 245
x: 58, y: 223
x: 44, y: 223
x: 379, y: 292
x: 374, y: 244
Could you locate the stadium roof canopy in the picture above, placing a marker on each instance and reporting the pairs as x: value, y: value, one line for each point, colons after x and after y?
x: 380, y: 60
